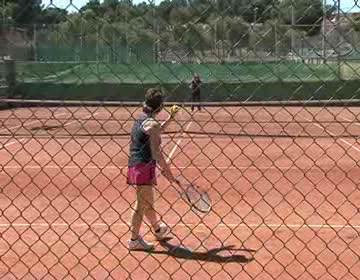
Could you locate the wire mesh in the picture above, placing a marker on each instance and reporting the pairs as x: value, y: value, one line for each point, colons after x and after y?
x: 272, y: 135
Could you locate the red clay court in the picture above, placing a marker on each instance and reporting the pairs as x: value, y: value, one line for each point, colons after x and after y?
x: 284, y: 183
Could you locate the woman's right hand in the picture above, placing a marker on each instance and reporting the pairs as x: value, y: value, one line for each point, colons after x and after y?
x: 168, y: 175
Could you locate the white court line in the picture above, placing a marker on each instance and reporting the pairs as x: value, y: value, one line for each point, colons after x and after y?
x: 67, y: 124
x: 81, y: 120
x: 177, y: 144
x: 221, y: 225
x: 24, y: 124
x: 13, y: 142
x: 332, y: 134
x: 17, y: 126
x: 349, y: 120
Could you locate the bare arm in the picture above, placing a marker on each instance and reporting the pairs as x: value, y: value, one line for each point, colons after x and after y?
x: 153, y: 128
x: 165, y: 124
x: 173, y: 112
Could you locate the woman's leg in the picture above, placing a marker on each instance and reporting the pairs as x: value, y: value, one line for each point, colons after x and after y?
x: 160, y: 230
x: 150, y: 212
x: 137, y: 242
x: 144, y: 206
x: 138, y: 213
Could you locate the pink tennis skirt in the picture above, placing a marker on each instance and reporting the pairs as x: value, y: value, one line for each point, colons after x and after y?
x: 142, y: 174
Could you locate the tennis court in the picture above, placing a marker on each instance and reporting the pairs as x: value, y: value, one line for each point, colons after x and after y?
x: 283, y: 180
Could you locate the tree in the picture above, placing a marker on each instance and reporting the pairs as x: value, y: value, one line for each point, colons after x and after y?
x: 25, y: 11
x: 355, y: 23
x: 93, y: 5
x: 226, y: 7
x: 330, y: 10
x: 197, y: 25
x: 181, y: 16
x: 271, y: 37
x: 164, y: 9
x: 8, y: 11
x: 53, y: 15
x: 110, y: 4
x: 308, y: 14
x: 237, y: 32
x: 193, y: 36
x: 252, y: 10
x: 180, y: 3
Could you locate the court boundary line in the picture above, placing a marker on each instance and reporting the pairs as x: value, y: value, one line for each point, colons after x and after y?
x: 351, y: 121
x: 24, y: 138
x: 27, y: 123
x: 331, y: 133
x: 22, y: 125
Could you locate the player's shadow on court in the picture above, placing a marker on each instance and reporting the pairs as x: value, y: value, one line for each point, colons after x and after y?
x: 209, y: 256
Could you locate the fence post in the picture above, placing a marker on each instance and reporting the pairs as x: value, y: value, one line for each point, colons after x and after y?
x: 10, y: 75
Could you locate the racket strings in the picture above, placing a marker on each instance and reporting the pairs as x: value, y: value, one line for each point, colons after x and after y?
x: 198, y: 198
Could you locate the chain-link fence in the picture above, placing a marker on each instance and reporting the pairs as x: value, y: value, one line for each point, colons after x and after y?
x: 272, y: 136
x: 270, y: 41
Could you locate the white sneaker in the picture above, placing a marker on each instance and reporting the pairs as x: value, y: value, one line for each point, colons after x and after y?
x: 162, y: 234
x: 140, y: 245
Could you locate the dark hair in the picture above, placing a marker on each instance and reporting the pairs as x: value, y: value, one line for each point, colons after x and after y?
x: 153, y: 101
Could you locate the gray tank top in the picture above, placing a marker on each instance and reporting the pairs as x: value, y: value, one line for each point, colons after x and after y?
x: 140, y: 148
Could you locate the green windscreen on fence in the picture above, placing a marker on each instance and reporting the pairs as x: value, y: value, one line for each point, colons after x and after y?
x: 90, y: 72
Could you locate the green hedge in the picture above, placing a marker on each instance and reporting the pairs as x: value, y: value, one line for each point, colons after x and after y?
x: 211, y: 92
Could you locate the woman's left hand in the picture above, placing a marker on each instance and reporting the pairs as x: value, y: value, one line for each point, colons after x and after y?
x: 174, y: 110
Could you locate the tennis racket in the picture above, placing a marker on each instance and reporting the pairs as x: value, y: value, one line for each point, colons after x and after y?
x: 196, y: 196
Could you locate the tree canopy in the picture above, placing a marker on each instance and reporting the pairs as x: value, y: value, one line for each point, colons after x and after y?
x: 308, y: 12
x: 195, y: 24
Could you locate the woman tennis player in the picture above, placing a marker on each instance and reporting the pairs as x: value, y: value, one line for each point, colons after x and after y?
x: 145, y: 154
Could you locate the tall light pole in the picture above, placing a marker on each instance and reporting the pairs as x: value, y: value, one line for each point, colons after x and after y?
x: 338, y: 18
x: 255, y: 15
x: 292, y: 27
x: 324, y: 25
x: 254, y: 27
x: 2, y: 28
x: 276, y: 39
x: 339, y: 36
x: 3, y: 12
